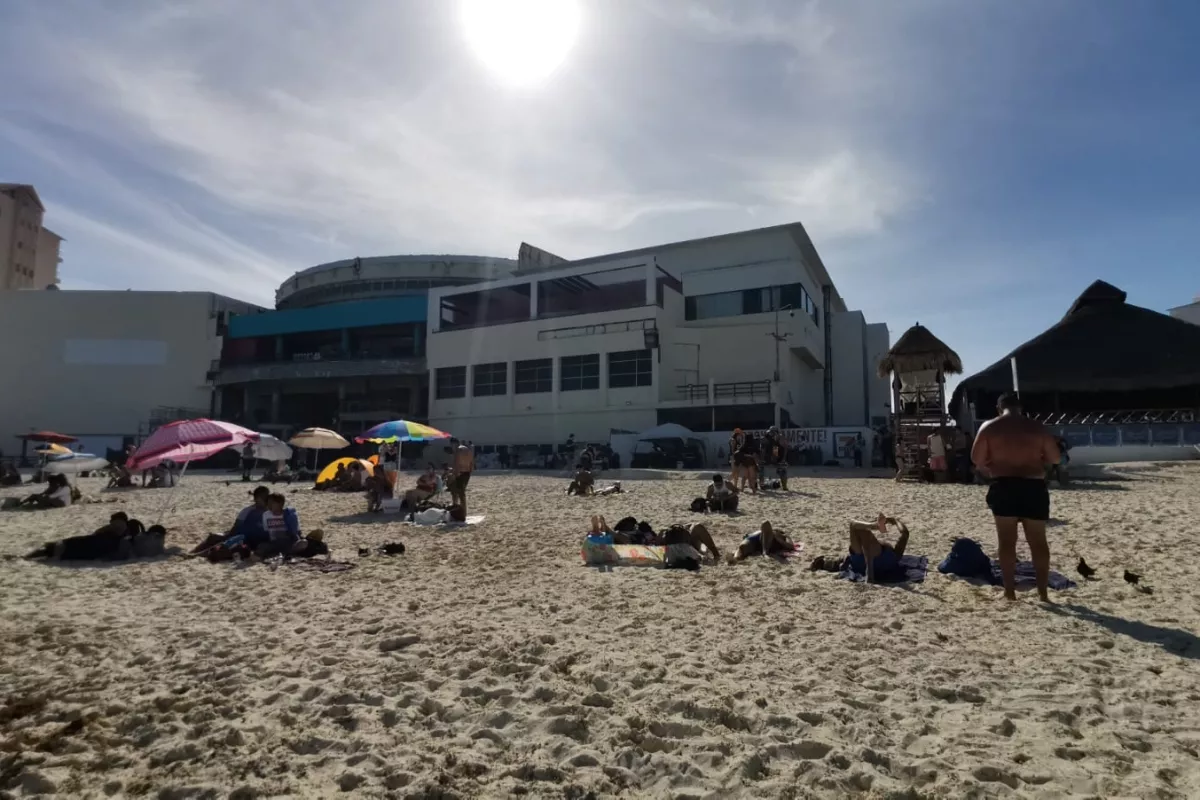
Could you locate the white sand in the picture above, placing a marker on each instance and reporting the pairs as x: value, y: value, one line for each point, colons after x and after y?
x: 488, y: 661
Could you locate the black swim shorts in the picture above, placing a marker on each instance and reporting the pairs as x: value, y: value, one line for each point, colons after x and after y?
x: 1023, y: 498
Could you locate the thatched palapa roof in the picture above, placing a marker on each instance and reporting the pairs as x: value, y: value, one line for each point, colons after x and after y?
x: 1103, y: 344
x: 918, y: 350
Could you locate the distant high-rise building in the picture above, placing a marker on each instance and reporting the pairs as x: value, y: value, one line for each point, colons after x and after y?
x: 28, y: 252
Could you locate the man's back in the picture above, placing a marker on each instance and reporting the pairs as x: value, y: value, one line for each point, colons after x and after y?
x: 1014, y: 446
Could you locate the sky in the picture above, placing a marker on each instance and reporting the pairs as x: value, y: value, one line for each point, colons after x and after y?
x: 968, y: 164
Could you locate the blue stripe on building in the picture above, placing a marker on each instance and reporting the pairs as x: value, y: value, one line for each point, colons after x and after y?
x: 352, y: 314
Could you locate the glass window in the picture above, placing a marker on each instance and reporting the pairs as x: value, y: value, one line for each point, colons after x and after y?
x: 450, y: 382
x: 580, y: 373
x: 724, y: 304
x: 490, y: 379
x: 535, y: 376
x: 594, y: 292
x: 630, y: 368
x: 487, y: 307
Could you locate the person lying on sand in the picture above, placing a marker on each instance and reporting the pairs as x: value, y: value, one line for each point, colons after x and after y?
x: 584, y: 484
x: 722, y: 495
x: 615, y: 488
x: 870, y: 555
x: 248, y: 519
x: 113, y: 541
x: 766, y: 541
x: 695, y: 535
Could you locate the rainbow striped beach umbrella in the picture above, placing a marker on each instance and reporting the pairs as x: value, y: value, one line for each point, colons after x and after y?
x: 401, y: 430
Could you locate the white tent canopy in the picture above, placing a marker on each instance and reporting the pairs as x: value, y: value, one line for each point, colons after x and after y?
x: 668, y: 431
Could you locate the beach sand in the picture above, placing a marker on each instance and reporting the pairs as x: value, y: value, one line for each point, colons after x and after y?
x: 487, y: 662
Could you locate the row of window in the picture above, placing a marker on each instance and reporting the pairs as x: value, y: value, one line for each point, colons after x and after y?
x: 752, y: 301
x: 626, y: 370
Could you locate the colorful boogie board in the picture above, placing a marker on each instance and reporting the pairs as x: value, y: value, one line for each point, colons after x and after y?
x: 623, y: 555
x: 636, y: 555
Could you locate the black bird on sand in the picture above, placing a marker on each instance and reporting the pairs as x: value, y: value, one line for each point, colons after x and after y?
x: 1131, y: 577
x: 1083, y: 569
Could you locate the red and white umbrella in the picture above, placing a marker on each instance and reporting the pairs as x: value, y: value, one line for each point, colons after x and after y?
x: 188, y: 440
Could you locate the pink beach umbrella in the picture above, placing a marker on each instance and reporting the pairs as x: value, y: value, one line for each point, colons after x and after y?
x: 188, y: 440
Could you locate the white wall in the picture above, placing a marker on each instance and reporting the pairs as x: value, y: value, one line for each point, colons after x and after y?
x: 879, y: 390
x: 849, y: 333
x: 46, y: 267
x: 96, y: 363
x: 1189, y: 313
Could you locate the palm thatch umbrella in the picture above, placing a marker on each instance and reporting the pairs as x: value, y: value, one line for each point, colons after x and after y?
x: 918, y: 350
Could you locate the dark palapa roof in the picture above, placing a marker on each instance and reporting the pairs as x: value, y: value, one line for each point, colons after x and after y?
x: 1103, y: 344
x: 919, y: 350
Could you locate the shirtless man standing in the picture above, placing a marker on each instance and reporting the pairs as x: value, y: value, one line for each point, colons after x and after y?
x: 464, y: 465
x: 1013, y: 451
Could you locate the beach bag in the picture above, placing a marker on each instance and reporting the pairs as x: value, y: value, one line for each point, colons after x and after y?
x: 626, y: 525
x: 967, y: 560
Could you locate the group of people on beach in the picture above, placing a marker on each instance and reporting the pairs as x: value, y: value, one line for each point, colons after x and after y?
x: 748, y: 456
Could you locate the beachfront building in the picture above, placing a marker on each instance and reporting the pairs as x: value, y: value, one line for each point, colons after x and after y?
x: 1189, y: 313
x: 29, y: 253
x: 739, y: 330
x: 1118, y: 381
x: 106, y: 366
x: 345, y: 346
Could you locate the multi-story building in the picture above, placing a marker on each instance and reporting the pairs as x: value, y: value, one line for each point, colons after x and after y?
x: 1188, y: 313
x: 28, y: 252
x: 745, y: 329
x: 345, y: 346
x: 106, y: 366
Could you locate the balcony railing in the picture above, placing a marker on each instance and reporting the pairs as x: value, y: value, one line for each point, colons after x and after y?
x: 727, y: 393
x: 1124, y: 417
x: 359, y: 365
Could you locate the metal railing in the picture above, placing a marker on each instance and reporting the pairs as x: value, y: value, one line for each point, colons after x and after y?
x: 1119, y: 417
x: 748, y: 391
x: 597, y: 330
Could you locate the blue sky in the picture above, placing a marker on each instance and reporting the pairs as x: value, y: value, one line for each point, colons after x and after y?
x: 971, y: 165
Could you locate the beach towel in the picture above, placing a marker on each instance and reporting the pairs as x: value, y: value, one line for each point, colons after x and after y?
x: 796, y: 551
x: 623, y: 555
x: 473, y: 519
x: 1027, y: 577
x: 315, y: 565
x: 914, y: 568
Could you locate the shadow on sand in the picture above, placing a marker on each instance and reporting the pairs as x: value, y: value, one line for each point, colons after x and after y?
x: 1173, y: 640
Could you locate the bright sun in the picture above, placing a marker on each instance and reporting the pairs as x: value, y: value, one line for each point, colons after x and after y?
x: 522, y: 41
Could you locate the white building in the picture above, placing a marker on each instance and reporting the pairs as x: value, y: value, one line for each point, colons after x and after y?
x: 28, y: 252
x: 102, y: 365
x: 1189, y: 313
x: 744, y: 329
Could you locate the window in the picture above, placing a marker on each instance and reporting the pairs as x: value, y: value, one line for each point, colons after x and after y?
x: 594, y: 292
x: 580, y: 373
x: 490, y: 379
x: 450, y: 382
x: 535, y: 376
x: 630, y: 368
x: 751, y: 301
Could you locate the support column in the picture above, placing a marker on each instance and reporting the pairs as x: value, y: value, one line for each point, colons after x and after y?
x: 217, y: 393
x: 279, y: 348
x: 276, y: 397
x: 247, y: 408
x: 651, y: 284
x: 556, y: 373
x: 604, y: 379
x: 345, y: 341
x: 414, y: 401
x: 419, y: 341
x: 511, y: 387
x: 533, y: 300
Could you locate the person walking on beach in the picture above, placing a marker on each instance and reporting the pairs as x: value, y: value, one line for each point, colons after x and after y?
x: 1013, y: 451
x: 464, y: 465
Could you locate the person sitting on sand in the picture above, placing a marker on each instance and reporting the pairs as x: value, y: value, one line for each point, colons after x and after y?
x: 356, y: 478
x: 337, y: 480
x: 721, y: 495
x: 57, y: 494
x: 248, y: 519
x: 428, y: 485
x: 379, y: 488
x: 281, y: 526
x: 163, y: 476
x: 103, y: 544
x: 873, y: 557
x: 766, y: 541
x: 584, y: 484
x: 9, y: 476
x: 696, y: 535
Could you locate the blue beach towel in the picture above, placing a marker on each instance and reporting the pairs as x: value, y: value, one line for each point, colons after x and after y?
x: 914, y: 569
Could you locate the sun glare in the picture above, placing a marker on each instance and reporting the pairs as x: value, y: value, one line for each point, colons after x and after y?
x: 521, y: 41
